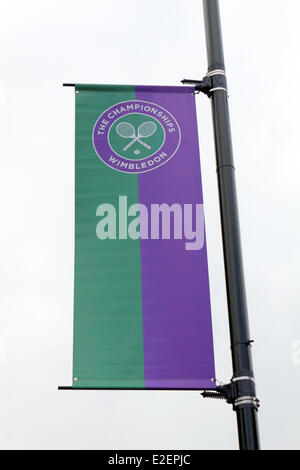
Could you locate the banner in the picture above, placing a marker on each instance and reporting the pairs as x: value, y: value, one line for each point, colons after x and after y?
x: 142, y: 315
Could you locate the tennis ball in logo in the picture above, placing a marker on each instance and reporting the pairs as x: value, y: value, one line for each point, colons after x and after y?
x: 136, y: 136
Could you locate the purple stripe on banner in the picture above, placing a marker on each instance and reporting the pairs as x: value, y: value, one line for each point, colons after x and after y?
x: 178, y: 344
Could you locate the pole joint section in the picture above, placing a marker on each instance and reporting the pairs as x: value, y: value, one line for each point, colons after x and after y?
x: 247, y: 343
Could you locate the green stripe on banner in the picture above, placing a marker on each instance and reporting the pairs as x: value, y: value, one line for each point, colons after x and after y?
x: 108, y: 329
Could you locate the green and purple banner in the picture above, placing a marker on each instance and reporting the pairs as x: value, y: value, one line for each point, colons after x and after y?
x: 142, y: 315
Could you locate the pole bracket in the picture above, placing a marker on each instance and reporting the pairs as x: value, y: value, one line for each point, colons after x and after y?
x: 239, y: 392
x: 215, y: 80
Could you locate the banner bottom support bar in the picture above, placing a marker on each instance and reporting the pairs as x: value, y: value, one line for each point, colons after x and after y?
x: 137, y: 389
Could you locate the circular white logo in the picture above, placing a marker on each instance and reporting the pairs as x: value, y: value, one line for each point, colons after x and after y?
x: 136, y: 136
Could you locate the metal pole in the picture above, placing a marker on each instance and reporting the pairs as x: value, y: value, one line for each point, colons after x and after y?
x: 246, y: 404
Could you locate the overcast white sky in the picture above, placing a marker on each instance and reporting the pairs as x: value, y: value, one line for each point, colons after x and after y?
x: 45, y: 43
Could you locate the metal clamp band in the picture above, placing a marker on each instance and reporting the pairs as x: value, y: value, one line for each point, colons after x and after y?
x: 218, y: 89
x: 247, y: 401
x: 237, y: 379
x: 216, y: 72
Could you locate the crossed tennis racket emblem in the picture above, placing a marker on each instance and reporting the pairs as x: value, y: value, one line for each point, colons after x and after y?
x: 127, y: 131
